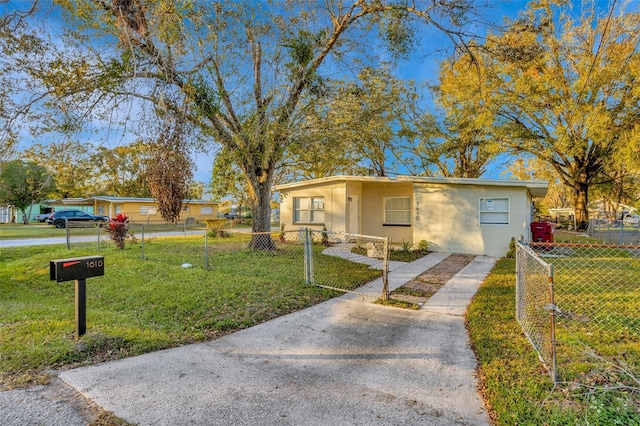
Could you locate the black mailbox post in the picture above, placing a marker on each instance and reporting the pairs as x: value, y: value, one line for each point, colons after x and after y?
x: 78, y: 269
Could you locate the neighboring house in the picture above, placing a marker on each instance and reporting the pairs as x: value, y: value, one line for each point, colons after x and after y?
x: 11, y: 213
x: 7, y: 214
x: 601, y: 208
x: 139, y: 209
x: 475, y: 216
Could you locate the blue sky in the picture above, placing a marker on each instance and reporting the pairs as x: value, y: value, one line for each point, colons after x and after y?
x: 424, y: 65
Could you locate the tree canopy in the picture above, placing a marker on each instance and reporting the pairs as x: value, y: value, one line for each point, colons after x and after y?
x: 234, y: 70
x: 23, y: 184
x: 565, y: 91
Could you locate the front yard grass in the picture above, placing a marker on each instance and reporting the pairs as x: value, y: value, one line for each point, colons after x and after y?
x: 516, y: 387
x: 141, y: 306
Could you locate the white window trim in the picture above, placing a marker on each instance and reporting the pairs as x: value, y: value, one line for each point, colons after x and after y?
x: 309, y: 210
x: 384, y: 209
x: 490, y: 216
x: 148, y: 210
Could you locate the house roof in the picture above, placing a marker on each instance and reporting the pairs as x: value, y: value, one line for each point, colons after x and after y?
x: 536, y: 188
x: 333, y: 179
x: 110, y: 199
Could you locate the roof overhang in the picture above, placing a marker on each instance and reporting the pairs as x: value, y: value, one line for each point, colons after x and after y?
x: 535, y: 188
x: 332, y: 179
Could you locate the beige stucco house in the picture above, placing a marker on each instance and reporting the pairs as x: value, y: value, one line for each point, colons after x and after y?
x: 141, y: 210
x: 475, y: 216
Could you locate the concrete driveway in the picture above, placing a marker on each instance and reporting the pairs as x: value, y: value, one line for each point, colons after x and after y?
x: 342, y: 362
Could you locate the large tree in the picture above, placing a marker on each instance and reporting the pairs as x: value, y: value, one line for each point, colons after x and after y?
x: 235, y: 69
x: 458, y: 141
x: 351, y: 128
x: 23, y: 184
x: 566, y: 91
x: 121, y: 170
x: 70, y: 163
x: 15, y: 40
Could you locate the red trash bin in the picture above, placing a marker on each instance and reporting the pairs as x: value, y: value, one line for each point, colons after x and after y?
x: 542, y: 232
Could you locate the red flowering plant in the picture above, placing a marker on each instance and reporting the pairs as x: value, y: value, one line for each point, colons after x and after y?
x: 118, y: 228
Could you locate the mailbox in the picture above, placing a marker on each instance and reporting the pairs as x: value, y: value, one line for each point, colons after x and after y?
x: 78, y: 268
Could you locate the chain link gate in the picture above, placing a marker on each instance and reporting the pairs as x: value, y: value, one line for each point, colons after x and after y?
x: 342, y: 262
x: 578, y: 305
x: 535, y: 309
x: 360, y: 249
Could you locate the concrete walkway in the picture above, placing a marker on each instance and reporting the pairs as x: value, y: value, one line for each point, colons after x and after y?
x: 342, y: 362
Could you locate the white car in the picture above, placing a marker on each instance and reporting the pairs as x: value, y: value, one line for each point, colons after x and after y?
x: 42, y: 217
x: 631, y: 219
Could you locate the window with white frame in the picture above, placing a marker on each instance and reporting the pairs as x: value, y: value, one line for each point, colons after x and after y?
x: 118, y: 208
x: 494, y: 211
x: 206, y: 210
x: 185, y: 207
x: 148, y: 210
x: 397, y: 211
x: 308, y: 209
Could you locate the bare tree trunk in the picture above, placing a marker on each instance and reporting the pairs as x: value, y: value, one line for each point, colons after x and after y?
x: 580, y: 203
x: 261, y: 213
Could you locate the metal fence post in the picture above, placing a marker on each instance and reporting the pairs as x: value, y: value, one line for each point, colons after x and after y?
x: 66, y: 228
x: 621, y: 232
x: 518, y: 280
x: 98, y: 227
x: 385, y: 270
x: 142, y: 238
x: 554, y: 375
x: 308, y: 257
x: 206, y: 250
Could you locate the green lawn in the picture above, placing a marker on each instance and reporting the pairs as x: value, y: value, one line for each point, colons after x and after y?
x: 518, y: 390
x: 141, y: 306
x: 33, y: 230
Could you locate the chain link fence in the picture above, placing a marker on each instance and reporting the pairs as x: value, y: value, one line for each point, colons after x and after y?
x: 79, y: 234
x: 534, y: 300
x: 623, y: 232
x: 335, y: 261
x: 579, y: 306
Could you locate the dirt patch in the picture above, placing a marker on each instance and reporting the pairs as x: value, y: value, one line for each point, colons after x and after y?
x: 421, y: 288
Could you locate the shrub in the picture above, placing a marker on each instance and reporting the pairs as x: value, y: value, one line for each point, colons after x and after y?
x: 325, y: 237
x: 216, y: 228
x: 511, y: 253
x: 423, y: 246
x: 117, y: 228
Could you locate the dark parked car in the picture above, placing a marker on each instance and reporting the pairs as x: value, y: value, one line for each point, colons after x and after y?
x: 57, y: 219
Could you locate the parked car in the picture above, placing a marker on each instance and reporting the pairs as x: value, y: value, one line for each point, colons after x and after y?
x: 42, y: 217
x: 57, y: 219
x: 631, y: 219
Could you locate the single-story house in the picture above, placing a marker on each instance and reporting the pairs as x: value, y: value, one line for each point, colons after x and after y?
x: 12, y: 213
x: 475, y: 216
x: 8, y: 214
x: 139, y: 209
